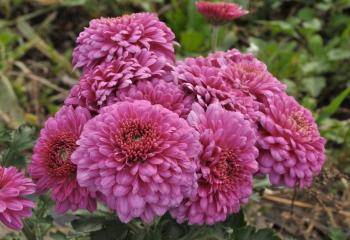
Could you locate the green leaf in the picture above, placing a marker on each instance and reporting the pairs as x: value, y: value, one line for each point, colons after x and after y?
x: 315, y: 43
x: 313, y: 25
x: 331, y: 108
x: 338, y: 54
x: 314, y: 85
x: 16, y: 141
x: 306, y: 14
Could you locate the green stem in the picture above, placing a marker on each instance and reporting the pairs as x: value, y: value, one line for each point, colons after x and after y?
x: 214, y: 37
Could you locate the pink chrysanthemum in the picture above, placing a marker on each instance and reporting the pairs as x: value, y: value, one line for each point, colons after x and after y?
x: 220, y: 12
x: 14, y: 186
x: 167, y: 94
x: 51, y: 166
x: 291, y: 148
x: 109, y: 38
x: 204, y: 78
x: 227, y: 165
x: 246, y: 73
x: 141, y: 156
x: 99, y: 86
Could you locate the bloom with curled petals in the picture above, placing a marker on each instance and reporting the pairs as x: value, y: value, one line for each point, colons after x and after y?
x: 220, y: 12
x: 109, y: 38
x: 246, y: 73
x: 252, y: 78
x: 51, y: 166
x: 99, y: 86
x: 203, y: 77
x: 291, y: 148
x: 14, y: 206
x: 142, y: 157
x: 167, y: 94
x: 227, y: 165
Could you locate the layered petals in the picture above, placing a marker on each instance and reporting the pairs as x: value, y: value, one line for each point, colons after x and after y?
x: 142, y: 157
x: 291, y: 148
x: 14, y: 205
x: 227, y: 165
x: 51, y: 166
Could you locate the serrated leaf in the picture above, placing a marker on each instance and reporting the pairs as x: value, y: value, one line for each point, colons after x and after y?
x: 16, y: 141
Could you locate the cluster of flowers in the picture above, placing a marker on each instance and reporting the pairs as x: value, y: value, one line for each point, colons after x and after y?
x: 145, y: 134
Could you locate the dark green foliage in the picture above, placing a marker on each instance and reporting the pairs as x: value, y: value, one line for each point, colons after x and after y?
x: 166, y: 228
x: 13, y: 143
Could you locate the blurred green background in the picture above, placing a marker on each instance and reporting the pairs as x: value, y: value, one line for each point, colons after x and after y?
x: 305, y: 44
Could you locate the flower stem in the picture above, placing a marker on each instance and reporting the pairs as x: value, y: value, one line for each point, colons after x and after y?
x: 214, y: 37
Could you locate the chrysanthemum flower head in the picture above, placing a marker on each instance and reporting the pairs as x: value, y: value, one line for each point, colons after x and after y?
x: 157, y: 91
x: 291, y: 148
x: 227, y: 164
x: 252, y: 78
x: 205, y: 80
x: 142, y: 157
x: 14, y: 206
x: 109, y: 38
x: 220, y: 12
x: 98, y: 86
x: 51, y: 166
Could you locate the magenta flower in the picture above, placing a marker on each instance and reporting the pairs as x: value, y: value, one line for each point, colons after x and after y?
x: 14, y: 206
x: 204, y: 78
x: 98, y: 86
x: 142, y: 158
x: 291, y: 148
x: 107, y: 39
x: 227, y: 165
x: 51, y: 166
x: 167, y: 94
x: 252, y: 78
x: 220, y: 12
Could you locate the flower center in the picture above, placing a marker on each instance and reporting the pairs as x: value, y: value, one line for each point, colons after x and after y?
x: 249, y: 68
x: 300, y: 121
x: 226, y: 168
x: 137, y: 140
x: 59, y: 163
